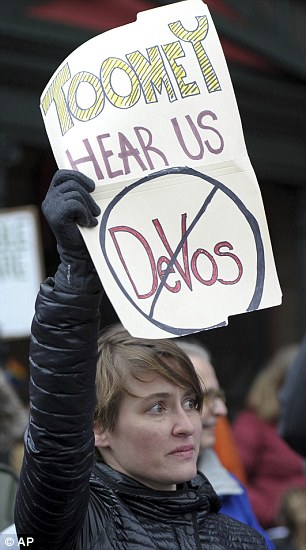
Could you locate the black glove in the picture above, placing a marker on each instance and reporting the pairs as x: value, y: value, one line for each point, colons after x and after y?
x: 68, y: 202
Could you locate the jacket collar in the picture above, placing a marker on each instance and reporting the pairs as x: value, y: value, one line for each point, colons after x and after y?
x: 195, y: 495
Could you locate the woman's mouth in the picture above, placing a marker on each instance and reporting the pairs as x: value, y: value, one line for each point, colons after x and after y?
x: 184, y: 451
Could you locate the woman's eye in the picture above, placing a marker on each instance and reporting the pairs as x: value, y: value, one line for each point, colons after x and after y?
x: 158, y: 408
x: 190, y: 404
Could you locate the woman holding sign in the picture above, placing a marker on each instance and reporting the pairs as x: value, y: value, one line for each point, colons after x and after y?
x: 138, y: 401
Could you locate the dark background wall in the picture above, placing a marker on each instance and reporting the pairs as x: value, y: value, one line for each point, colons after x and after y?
x: 264, y: 43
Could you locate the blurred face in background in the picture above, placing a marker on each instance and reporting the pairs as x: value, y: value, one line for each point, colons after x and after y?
x: 214, y: 401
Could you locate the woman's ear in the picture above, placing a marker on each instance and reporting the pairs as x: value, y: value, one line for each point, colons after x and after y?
x: 101, y: 437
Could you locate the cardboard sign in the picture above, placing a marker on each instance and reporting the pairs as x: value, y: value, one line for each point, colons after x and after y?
x: 20, y: 270
x: 149, y: 113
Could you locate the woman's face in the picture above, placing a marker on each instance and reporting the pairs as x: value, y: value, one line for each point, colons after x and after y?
x: 157, y: 436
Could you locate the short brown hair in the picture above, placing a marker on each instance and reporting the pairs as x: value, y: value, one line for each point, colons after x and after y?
x: 122, y: 356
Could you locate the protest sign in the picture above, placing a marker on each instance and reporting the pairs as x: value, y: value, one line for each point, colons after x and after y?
x: 148, y: 111
x: 20, y: 270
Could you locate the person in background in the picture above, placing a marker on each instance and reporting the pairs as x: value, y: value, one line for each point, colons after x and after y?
x: 292, y: 418
x: 292, y: 518
x: 13, y: 422
x: 235, y: 501
x: 270, y: 464
x: 13, y: 415
x: 138, y: 401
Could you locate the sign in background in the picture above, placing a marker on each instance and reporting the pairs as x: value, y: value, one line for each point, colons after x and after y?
x: 149, y: 113
x: 20, y: 270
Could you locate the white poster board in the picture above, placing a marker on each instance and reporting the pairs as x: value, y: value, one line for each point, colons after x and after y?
x: 149, y: 113
x: 20, y: 270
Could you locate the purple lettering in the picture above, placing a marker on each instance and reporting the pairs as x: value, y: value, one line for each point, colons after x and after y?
x: 106, y: 153
x: 181, y: 141
x: 148, y: 146
x: 127, y: 150
x: 204, y: 127
x: 89, y: 158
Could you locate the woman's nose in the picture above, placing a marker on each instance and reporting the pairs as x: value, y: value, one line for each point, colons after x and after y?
x: 185, y: 422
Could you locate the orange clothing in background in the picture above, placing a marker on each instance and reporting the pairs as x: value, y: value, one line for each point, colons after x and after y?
x: 226, y: 449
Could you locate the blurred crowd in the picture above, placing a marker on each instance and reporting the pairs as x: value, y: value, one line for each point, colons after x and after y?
x: 13, y: 422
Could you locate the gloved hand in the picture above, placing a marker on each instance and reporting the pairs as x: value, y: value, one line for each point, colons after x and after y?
x: 68, y: 202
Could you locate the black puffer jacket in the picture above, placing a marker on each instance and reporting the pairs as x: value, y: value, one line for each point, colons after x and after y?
x: 63, y: 501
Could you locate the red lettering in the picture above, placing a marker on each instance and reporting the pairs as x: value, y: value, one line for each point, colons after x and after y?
x: 148, y: 251
x: 185, y: 273
x: 169, y: 265
x: 217, y: 251
x: 207, y: 282
x: 163, y: 260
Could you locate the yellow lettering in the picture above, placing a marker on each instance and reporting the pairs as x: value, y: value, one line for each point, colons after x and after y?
x: 152, y: 74
x: 173, y: 51
x: 56, y: 94
x: 91, y: 112
x: 195, y: 38
x: 122, y: 101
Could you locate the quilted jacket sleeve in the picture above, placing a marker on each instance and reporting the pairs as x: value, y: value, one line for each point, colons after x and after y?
x: 53, y: 495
